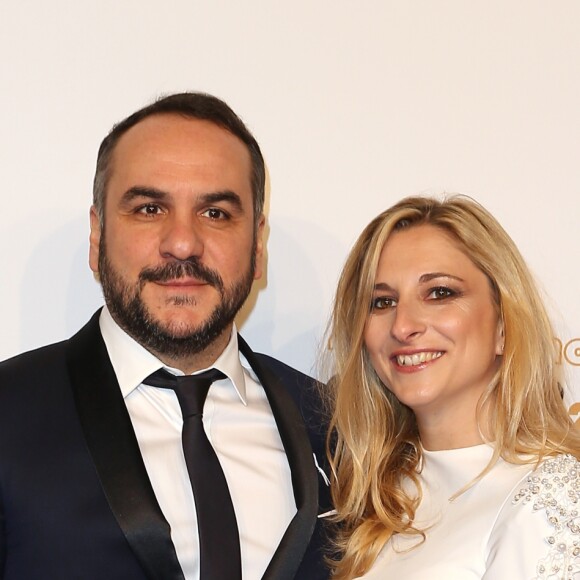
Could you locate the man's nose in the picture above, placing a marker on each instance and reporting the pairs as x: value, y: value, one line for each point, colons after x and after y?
x: 181, y: 237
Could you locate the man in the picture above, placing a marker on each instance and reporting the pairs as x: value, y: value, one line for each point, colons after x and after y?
x: 94, y: 480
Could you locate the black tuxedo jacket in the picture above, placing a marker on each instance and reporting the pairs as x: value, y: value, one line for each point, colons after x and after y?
x: 75, y: 498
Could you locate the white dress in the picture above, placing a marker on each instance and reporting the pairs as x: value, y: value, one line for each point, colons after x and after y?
x: 515, y: 523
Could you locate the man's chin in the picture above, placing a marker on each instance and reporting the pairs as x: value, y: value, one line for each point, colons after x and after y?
x: 169, y: 300
x: 178, y: 326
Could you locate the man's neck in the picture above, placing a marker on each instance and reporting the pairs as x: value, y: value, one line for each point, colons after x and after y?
x: 189, y: 364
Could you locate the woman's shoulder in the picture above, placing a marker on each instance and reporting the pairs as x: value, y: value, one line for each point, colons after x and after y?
x: 555, y: 483
x: 545, y: 512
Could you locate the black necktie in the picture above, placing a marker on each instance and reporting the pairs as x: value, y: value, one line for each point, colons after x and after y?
x: 219, y: 539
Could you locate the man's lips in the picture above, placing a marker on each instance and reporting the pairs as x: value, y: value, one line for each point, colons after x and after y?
x: 183, y: 274
x: 182, y: 282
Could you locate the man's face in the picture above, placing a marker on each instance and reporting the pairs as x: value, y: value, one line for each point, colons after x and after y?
x: 179, y: 249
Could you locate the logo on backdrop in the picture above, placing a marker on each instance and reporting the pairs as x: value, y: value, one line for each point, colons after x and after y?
x: 575, y: 413
x: 569, y: 353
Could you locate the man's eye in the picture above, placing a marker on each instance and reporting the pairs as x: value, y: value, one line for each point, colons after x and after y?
x: 215, y: 214
x: 382, y: 303
x: 149, y: 209
x: 441, y: 292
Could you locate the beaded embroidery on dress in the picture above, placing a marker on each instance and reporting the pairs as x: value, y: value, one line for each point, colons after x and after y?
x: 555, y: 488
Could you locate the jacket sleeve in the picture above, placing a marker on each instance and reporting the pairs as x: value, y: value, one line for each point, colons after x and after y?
x: 2, y: 541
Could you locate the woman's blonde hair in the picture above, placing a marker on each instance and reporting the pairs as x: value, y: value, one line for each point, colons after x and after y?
x: 374, y: 441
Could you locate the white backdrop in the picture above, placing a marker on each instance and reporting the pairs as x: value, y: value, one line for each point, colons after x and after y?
x: 355, y: 104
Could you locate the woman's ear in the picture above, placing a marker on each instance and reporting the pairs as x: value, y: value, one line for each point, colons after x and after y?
x: 500, y: 338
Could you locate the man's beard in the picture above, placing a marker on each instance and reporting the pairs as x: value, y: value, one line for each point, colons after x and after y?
x: 127, y: 308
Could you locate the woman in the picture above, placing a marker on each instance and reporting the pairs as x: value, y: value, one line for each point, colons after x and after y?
x: 453, y: 454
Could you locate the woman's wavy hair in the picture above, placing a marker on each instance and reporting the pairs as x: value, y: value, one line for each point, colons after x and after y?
x: 374, y: 441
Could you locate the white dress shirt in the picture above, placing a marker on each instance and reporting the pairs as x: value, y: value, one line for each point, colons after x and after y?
x: 239, y: 424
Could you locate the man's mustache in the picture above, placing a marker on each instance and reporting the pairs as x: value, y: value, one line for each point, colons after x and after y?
x: 189, y: 268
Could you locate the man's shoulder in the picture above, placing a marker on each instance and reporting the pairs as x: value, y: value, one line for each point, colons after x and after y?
x: 305, y: 391
x: 29, y: 383
x: 44, y: 361
x: 281, y: 368
x: 34, y: 361
x: 274, y: 366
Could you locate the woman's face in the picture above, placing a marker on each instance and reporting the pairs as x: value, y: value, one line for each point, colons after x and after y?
x: 433, y: 334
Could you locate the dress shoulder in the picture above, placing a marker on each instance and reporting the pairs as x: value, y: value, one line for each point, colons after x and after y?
x: 554, y: 489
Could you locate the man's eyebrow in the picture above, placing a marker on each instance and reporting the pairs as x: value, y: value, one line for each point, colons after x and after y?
x: 159, y: 195
x: 147, y: 192
x: 226, y: 195
x: 432, y: 275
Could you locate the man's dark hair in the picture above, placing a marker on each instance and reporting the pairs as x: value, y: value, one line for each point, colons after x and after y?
x: 190, y: 105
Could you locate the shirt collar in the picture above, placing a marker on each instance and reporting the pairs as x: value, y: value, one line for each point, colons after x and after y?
x: 132, y: 362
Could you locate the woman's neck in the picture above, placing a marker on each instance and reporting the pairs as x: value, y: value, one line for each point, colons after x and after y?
x: 438, y: 434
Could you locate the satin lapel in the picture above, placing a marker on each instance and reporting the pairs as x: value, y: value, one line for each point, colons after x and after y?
x: 115, y: 452
x: 292, y: 547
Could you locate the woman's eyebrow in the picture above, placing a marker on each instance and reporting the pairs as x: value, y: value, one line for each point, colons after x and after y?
x: 432, y: 275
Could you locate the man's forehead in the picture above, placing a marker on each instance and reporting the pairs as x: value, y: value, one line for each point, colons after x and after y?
x: 180, y: 147
x: 176, y: 128
x: 186, y: 138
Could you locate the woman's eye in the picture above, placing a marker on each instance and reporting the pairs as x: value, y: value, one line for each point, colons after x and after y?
x: 441, y: 292
x: 382, y: 303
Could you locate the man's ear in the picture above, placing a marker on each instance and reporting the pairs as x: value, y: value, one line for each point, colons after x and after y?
x: 94, y: 240
x: 260, y: 247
